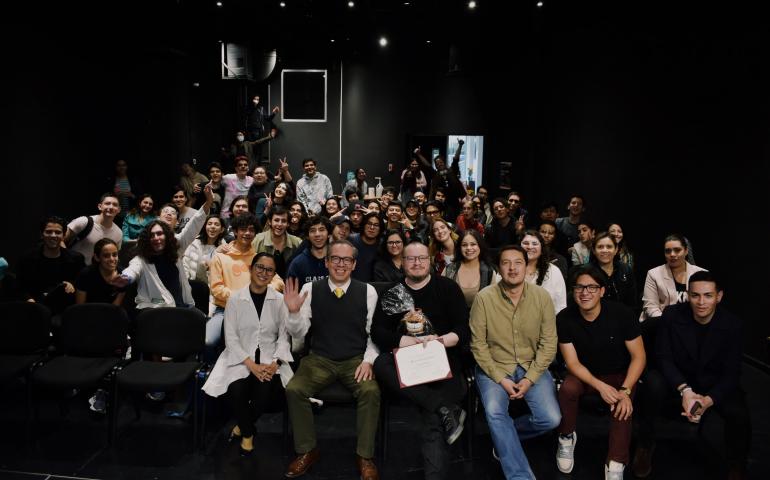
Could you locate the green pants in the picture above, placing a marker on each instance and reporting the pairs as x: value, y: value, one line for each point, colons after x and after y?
x: 314, y: 374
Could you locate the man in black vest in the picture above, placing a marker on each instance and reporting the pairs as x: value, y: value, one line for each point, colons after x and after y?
x: 441, y: 301
x: 340, y: 310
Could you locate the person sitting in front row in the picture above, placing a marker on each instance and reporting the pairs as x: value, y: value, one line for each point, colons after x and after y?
x: 254, y: 367
x: 340, y: 310
x: 513, y: 329
x: 699, y: 354
x: 440, y: 300
x: 601, y: 343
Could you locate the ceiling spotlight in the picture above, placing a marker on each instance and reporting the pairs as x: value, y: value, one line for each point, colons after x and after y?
x: 332, y: 40
x: 539, y: 4
x: 219, y: 4
x: 406, y: 4
x: 427, y: 41
x: 351, y: 4
x: 471, y: 4
x: 282, y: 4
x: 383, y: 42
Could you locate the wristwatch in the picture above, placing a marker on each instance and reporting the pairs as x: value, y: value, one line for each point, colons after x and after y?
x: 625, y: 390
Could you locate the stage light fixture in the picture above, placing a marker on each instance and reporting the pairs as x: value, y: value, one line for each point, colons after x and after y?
x: 539, y: 4
x: 332, y: 40
x: 351, y: 4
x: 282, y: 4
x: 471, y: 4
x: 427, y: 41
x: 383, y: 42
x: 219, y: 4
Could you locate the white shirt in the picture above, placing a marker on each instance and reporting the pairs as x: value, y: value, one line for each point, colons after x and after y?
x: 553, y: 283
x: 299, y: 323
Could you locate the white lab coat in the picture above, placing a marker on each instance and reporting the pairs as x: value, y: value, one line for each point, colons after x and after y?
x: 245, y: 331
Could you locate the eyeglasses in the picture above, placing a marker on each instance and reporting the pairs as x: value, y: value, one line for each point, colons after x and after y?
x: 264, y: 269
x: 393, y: 243
x: 432, y: 212
x: 373, y: 224
x: 590, y: 288
x: 417, y: 259
x: 346, y: 261
x: 168, y: 211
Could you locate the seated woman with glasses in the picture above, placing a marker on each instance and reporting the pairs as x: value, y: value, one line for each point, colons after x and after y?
x: 542, y: 272
x: 254, y: 367
x: 601, y: 343
x: 471, y: 269
x: 388, y: 267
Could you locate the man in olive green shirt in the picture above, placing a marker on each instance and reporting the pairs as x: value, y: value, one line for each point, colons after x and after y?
x: 276, y: 240
x: 513, y: 328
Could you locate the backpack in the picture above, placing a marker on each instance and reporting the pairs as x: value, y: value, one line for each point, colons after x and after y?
x: 83, y: 233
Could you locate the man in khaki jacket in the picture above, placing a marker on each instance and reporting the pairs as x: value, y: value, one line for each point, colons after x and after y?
x: 513, y: 328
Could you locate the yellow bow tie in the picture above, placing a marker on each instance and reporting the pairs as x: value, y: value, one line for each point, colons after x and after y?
x: 339, y: 292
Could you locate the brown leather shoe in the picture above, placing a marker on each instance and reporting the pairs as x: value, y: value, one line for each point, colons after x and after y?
x: 367, y: 468
x: 302, y: 463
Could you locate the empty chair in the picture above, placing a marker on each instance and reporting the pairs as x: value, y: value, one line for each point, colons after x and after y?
x: 173, y: 332
x: 24, y: 336
x: 92, y: 340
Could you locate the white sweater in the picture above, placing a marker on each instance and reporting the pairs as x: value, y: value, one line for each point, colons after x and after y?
x: 151, y: 293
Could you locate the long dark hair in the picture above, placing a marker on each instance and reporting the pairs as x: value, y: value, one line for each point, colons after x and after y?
x: 483, y: 250
x: 203, y: 236
x: 136, y: 210
x: 543, y: 262
x: 144, y: 246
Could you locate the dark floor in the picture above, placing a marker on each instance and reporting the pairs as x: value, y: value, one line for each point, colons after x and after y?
x: 158, y: 448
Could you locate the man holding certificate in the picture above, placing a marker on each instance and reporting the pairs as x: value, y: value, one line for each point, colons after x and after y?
x: 425, y: 320
x: 513, y: 327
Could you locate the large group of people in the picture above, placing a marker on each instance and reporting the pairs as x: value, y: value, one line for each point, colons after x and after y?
x: 528, y: 299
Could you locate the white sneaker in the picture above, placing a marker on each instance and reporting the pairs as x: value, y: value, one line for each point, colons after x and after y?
x: 98, y: 402
x: 565, y: 455
x: 614, y: 471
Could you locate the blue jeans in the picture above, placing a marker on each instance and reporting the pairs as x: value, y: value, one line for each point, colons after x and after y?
x: 506, y: 432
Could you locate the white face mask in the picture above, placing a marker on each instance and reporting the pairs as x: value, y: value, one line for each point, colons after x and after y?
x: 240, y: 138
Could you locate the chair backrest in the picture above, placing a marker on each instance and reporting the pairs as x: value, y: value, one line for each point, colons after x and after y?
x: 94, y: 329
x: 200, y: 294
x: 382, y: 287
x: 175, y: 332
x: 24, y: 327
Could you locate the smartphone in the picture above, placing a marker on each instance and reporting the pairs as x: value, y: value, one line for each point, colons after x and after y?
x: 694, y: 408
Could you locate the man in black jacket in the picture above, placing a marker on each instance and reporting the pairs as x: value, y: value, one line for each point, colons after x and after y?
x: 698, y: 348
x: 441, y: 301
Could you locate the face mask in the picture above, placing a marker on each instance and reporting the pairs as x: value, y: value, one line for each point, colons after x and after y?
x: 240, y: 138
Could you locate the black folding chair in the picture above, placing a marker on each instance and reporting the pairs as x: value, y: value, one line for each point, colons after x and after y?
x: 25, y: 333
x: 200, y: 294
x: 178, y: 333
x: 92, y: 342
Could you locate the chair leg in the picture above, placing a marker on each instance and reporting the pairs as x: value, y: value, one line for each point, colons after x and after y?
x: 195, y: 412
x: 113, y: 409
x: 385, y: 430
x: 29, y: 420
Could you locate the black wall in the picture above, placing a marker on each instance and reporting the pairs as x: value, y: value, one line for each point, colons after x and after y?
x: 660, y: 121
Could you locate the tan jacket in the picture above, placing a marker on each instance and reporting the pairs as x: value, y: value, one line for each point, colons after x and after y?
x: 660, y: 290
